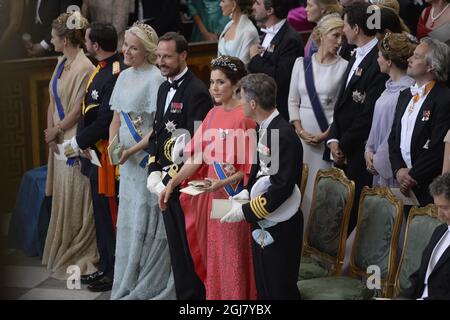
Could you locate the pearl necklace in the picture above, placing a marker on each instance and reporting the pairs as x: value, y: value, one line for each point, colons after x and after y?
x: 433, y: 19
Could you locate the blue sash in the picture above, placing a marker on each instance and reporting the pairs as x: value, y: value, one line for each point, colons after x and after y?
x: 222, y: 176
x: 136, y: 136
x: 313, y: 97
x: 59, y: 106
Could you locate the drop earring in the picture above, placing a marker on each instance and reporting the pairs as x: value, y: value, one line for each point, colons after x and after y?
x: 231, y: 14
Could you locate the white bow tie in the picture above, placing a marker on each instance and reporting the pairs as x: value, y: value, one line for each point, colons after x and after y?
x: 417, y: 91
x: 268, y: 31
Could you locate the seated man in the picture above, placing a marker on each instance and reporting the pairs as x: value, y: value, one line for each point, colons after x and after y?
x: 432, y: 280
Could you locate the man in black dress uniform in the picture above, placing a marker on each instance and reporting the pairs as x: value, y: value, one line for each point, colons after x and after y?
x: 274, y: 210
x: 182, y: 100
x: 279, y: 49
x: 93, y: 133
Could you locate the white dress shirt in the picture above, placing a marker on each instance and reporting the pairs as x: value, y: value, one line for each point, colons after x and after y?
x: 437, y: 253
x: 361, y: 53
x: 271, y: 33
x: 172, y: 91
x: 408, y: 123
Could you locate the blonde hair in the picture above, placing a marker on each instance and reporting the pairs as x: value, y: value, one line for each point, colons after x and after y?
x: 330, y: 6
x: 326, y: 24
x: 71, y: 26
x: 148, y: 37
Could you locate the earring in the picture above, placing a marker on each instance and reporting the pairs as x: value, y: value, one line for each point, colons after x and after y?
x: 232, y: 12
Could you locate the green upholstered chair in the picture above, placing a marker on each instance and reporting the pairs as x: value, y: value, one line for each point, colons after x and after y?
x: 420, y: 226
x: 304, y: 179
x: 377, y: 232
x: 326, y: 231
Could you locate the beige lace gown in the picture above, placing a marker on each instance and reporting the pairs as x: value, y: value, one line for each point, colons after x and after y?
x: 71, y: 233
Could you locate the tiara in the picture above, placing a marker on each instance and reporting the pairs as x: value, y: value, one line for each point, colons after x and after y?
x: 385, y: 42
x: 224, y: 62
x: 144, y: 27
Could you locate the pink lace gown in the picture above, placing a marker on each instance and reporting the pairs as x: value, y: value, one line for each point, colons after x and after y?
x: 222, y: 252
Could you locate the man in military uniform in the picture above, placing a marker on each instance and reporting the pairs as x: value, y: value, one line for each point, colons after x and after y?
x: 274, y: 209
x: 182, y: 100
x: 93, y: 133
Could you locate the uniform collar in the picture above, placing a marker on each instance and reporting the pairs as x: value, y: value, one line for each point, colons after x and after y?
x: 108, y: 61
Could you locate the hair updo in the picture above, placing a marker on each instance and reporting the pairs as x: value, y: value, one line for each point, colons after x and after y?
x: 397, y: 47
x: 233, y: 68
x: 148, y: 37
x: 71, y: 26
x: 326, y: 24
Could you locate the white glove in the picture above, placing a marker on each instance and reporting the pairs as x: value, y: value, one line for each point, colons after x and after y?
x: 154, y: 183
x: 178, y: 148
x: 235, y: 214
x: 243, y: 195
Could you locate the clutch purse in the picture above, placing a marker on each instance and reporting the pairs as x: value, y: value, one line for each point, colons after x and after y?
x: 115, y: 151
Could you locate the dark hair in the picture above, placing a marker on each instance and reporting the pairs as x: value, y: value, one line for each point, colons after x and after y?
x: 180, y: 42
x: 389, y: 20
x: 76, y: 34
x: 105, y: 35
x: 441, y: 186
x: 233, y: 68
x: 261, y: 88
x: 357, y: 14
x: 280, y: 7
x: 246, y: 6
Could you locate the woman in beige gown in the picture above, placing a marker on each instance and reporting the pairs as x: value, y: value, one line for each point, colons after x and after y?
x: 71, y: 233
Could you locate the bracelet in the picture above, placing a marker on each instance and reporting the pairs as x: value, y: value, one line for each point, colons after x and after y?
x: 60, y: 130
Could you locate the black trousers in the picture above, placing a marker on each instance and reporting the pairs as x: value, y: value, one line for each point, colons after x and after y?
x: 188, y: 285
x: 276, y: 265
x: 104, y: 228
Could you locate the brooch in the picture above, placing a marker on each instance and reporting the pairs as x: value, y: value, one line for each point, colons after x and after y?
x: 358, y: 97
x: 138, y: 121
x: 94, y: 94
x: 171, y: 126
x: 223, y: 134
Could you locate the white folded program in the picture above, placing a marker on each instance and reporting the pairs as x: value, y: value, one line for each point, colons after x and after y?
x: 284, y: 212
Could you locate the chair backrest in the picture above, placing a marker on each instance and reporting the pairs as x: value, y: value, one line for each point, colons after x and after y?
x: 304, y: 179
x: 420, y: 227
x: 326, y: 231
x: 380, y: 216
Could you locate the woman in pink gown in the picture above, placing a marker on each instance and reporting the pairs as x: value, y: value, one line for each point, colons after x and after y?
x: 220, y: 153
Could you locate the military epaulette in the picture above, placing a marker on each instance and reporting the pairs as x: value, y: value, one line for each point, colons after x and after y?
x: 116, y: 68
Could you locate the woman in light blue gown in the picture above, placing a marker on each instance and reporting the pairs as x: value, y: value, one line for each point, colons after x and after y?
x: 142, y: 266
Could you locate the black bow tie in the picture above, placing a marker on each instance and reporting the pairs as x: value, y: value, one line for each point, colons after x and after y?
x: 176, y: 83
